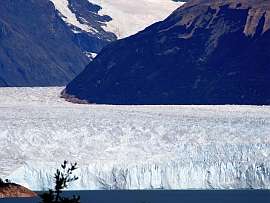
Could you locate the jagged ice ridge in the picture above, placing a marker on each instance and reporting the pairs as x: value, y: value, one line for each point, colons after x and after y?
x: 132, y: 147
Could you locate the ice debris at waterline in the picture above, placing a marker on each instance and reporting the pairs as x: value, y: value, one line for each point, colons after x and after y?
x: 132, y: 147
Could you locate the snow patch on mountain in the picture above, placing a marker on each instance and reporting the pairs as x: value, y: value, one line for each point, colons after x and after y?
x: 90, y: 55
x: 129, y: 17
x: 69, y: 17
x: 97, y: 23
x: 132, y: 147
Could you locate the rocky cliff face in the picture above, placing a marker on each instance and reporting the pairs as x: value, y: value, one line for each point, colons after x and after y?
x: 36, y: 47
x: 258, y: 11
x: 206, y: 52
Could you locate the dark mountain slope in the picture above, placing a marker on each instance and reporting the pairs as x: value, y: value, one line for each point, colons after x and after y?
x: 36, y: 46
x: 206, y: 52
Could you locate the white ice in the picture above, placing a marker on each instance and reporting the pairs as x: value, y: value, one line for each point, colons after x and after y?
x: 69, y: 17
x: 132, y: 147
x: 129, y: 17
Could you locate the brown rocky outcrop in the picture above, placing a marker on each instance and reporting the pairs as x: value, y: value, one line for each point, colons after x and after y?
x: 11, y: 190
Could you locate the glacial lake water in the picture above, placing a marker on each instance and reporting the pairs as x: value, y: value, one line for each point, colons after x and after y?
x: 165, y: 196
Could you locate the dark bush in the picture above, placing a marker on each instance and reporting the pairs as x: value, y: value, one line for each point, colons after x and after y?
x: 62, y: 178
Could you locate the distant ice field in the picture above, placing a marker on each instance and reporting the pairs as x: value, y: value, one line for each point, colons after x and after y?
x: 132, y: 147
x: 128, y: 17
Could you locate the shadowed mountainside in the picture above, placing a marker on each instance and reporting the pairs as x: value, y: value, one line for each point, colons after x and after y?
x: 36, y: 47
x: 206, y: 52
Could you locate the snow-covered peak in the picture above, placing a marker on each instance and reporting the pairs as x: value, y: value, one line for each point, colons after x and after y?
x: 129, y: 17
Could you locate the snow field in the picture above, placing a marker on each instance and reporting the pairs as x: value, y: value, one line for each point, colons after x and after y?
x: 129, y: 17
x: 132, y: 147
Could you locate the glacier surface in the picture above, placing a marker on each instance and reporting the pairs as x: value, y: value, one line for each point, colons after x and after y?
x: 132, y: 147
x: 128, y: 17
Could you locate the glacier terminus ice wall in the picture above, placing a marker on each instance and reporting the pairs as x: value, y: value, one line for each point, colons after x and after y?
x: 132, y: 147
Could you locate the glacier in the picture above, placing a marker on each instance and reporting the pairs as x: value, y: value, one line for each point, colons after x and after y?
x: 132, y: 147
x: 141, y: 13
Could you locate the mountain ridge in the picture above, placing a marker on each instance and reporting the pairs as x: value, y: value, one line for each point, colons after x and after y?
x: 36, y: 50
x: 258, y: 10
x: 49, y: 42
x: 206, y: 52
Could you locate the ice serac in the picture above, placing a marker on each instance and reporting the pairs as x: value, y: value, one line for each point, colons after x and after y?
x: 132, y: 147
x: 205, y: 52
x: 236, y: 167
